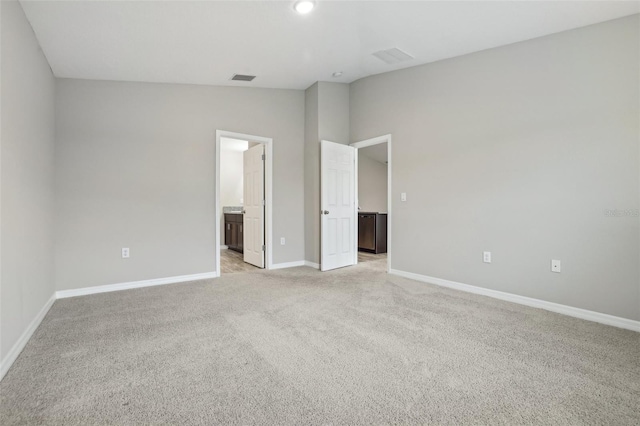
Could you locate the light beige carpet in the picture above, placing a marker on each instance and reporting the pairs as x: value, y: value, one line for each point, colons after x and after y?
x: 297, y: 346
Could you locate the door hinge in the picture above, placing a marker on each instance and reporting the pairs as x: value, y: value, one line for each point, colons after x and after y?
x: 263, y: 247
x: 262, y: 157
x: 264, y: 202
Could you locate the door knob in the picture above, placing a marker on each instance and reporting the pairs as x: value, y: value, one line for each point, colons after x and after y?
x: 326, y: 212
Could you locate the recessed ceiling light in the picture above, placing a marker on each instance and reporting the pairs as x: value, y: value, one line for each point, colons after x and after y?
x: 337, y: 74
x: 304, y: 6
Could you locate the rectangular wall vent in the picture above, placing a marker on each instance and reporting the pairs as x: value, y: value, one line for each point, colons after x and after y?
x: 392, y: 56
x: 241, y: 77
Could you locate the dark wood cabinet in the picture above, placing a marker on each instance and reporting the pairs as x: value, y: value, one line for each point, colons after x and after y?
x: 372, y: 232
x: 233, y: 232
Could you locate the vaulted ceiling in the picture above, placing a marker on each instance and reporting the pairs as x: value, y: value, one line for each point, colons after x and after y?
x: 206, y: 42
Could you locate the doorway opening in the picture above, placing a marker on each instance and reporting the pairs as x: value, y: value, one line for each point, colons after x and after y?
x: 373, y: 189
x: 243, y: 205
x: 350, y: 231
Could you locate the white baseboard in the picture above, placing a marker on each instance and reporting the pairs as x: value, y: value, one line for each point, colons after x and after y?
x: 8, y: 360
x: 288, y: 264
x: 224, y: 247
x: 62, y: 294
x: 311, y: 264
x: 527, y: 301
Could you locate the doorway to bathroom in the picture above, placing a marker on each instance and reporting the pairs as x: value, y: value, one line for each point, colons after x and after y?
x: 243, y: 202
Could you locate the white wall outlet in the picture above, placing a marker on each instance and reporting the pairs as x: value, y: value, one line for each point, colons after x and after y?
x: 556, y: 266
x: 125, y: 252
x: 486, y: 256
x: 403, y: 196
x: 282, y: 241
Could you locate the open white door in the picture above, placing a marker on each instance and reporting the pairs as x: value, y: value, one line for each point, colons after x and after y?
x: 253, y: 239
x: 338, y: 205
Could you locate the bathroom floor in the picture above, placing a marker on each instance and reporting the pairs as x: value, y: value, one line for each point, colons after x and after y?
x: 231, y: 261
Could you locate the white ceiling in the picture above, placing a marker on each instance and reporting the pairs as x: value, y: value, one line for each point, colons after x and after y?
x: 206, y: 42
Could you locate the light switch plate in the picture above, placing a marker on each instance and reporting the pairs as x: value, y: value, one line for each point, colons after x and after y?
x: 125, y: 252
x: 403, y: 196
x: 486, y: 256
x: 556, y: 266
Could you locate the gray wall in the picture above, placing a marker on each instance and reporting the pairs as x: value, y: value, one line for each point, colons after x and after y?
x: 135, y: 167
x: 372, y: 184
x: 518, y: 150
x: 326, y: 118
x: 333, y: 112
x: 311, y: 175
x: 27, y: 134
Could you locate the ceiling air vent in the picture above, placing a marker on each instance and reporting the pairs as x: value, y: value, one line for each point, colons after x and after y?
x: 241, y: 77
x: 392, y: 56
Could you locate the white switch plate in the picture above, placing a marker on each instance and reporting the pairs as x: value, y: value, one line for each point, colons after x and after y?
x: 556, y: 266
x: 486, y: 256
x: 403, y: 196
x: 125, y: 252
x: 282, y: 241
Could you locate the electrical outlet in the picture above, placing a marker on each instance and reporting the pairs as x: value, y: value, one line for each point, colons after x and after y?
x: 282, y: 241
x: 486, y: 256
x: 556, y: 266
x: 403, y: 196
x: 125, y: 252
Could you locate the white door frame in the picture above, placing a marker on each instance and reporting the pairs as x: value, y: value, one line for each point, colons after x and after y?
x: 369, y: 142
x: 268, y: 175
